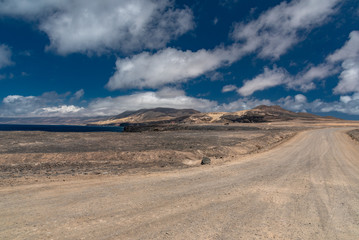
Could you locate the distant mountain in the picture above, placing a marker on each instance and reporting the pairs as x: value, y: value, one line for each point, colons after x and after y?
x: 156, y: 113
x: 282, y: 114
x: 150, y: 115
x: 169, y: 115
x: 51, y: 120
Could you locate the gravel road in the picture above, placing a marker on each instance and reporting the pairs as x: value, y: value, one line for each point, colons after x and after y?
x: 307, y: 188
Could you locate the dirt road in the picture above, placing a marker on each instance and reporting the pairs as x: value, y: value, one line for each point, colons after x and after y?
x: 308, y: 188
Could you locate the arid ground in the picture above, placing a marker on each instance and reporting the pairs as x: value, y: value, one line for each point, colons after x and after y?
x: 24, y: 155
x: 265, y: 181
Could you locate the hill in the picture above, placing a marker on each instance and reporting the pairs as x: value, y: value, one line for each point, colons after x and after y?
x: 169, y: 115
x: 150, y: 115
x: 258, y: 114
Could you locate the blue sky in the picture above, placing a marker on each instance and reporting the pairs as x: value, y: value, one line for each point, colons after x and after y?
x: 92, y: 58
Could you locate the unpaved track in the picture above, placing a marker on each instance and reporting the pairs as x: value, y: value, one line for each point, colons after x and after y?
x: 308, y: 188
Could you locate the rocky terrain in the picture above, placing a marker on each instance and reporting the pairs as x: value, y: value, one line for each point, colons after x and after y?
x: 51, y: 154
x: 354, y: 134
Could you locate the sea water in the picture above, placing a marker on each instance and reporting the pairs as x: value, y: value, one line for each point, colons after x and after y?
x: 59, y: 128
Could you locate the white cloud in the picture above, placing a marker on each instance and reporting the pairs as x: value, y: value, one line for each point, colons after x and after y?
x: 229, y: 88
x: 298, y: 103
x: 48, y: 104
x: 29, y: 8
x: 169, y: 66
x: 273, y: 33
x: 348, y: 51
x: 16, y: 105
x: 91, y: 26
x: 300, y: 98
x: 167, y: 97
x: 349, y: 78
x: 345, y: 99
x: 304, y: 81
x: 60, y: 110
x: 346, y: 104
x: 270, y: 78
x: 5, y: 56
x: 242, y: 104
x: 17, y: 98
x: 277, y: 30
x: 349, y: 56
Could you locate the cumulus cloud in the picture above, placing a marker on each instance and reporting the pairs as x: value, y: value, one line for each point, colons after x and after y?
x: 242, y: 104
x: 278, y: 29
x: 169, y: 66
x: 298, y: 103
x: 57, y: 111
x: 5, y: 56
x: 90, y: 26
x: 302, y: 81
x: 48, y: 104
x: 300, y: 98
x: 270, y: 78
x: 348, y: 55
x: 345, y: 99
x: 51, y: 104
x: 273, y: 33
x: 348, y: 106
x: 17, y: 98
x: 167, y: 97
x: 349, y: 50
x: 349, y: 78
x: 345, y: 104
x: 16, y: 105
x: 305, y: 80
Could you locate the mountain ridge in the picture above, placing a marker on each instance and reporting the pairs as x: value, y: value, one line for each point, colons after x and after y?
x: 261, y: 113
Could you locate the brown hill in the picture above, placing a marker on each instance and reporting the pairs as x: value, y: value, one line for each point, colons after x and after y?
x: 258, y: 114
x: 169, y: 115
x: 150, y: 115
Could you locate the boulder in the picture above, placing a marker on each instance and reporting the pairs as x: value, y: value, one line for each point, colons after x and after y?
x: 205, y: 161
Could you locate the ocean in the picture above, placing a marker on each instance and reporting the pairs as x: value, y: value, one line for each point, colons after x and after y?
x: 59, y: 128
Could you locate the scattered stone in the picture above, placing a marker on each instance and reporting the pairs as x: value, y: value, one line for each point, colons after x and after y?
x: 206, y: 161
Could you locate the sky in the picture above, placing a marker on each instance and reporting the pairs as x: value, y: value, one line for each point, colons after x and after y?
x: 99, y: 58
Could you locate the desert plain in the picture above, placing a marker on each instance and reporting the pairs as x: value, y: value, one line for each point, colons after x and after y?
x: 277, y: 180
